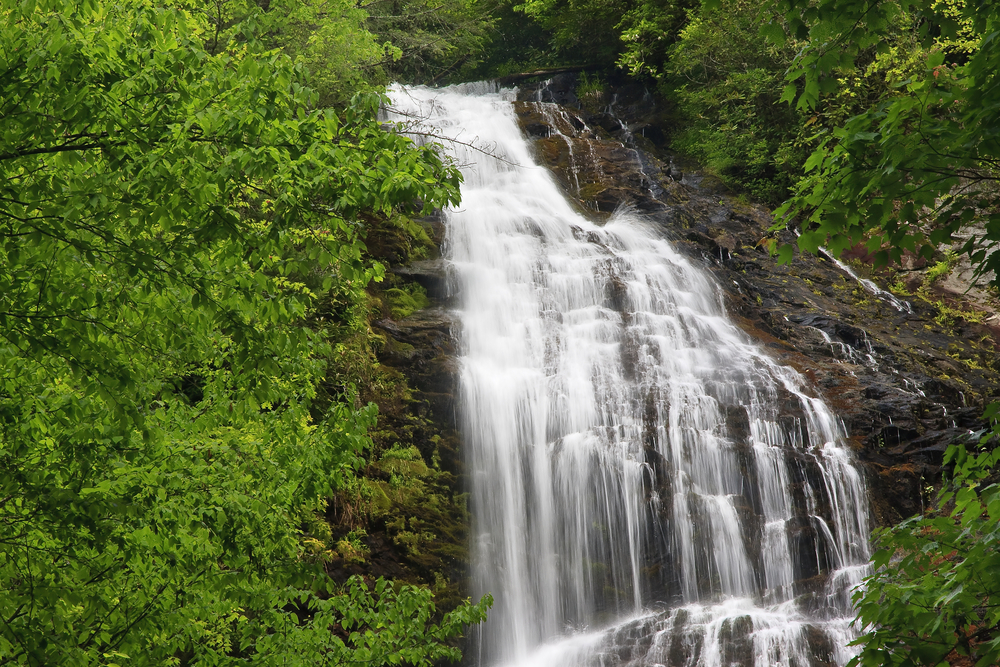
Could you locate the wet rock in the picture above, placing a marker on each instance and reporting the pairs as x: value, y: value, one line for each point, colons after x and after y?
x: 675, y: 172
x: 906, y: 383
x: 423, y: 347
x: 606, y: 121
x: 560, y: 89
x: 431, y: 274
x: 537, y: 129
x: 735, y: 638
x: 820, y: 649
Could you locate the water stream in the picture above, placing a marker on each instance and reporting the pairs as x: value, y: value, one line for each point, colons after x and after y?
x: 648, y: 486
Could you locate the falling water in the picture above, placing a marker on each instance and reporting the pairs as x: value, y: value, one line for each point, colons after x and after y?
x: 648, y: 486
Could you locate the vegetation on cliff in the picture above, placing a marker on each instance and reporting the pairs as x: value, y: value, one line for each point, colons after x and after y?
x: 932, y: 598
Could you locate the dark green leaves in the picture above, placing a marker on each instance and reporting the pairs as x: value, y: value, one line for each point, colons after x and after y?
x: 936, y: 576
x: 920, y: 163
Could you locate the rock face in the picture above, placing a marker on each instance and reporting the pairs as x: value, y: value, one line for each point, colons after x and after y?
x: 909, y: 373
x: 403, y: 515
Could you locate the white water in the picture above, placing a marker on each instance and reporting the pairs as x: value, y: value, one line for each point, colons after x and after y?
x: 648, y: 486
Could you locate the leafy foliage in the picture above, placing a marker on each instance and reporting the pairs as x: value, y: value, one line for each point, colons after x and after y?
x: 582, y: 31
x: 649, y: 31
x: 327, y: 37
x: 919, y: 166
x: 518, y: 43
x: 160, y: 197
x: 726, y: 80
x: 933, y: 596
x: 433, y: 39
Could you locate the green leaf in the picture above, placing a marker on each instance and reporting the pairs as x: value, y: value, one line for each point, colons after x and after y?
x: 774, y: 33
x: 160, y: 432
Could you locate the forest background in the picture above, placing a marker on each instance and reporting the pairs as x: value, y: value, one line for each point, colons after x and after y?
x: 191, y: 198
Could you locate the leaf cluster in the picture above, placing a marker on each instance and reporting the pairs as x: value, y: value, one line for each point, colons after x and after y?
x: 328, y: 37
x: 933, y: 596
x: 432, y: 40
x: 172, y: 207
x: 917, y: 168
x: 726, y: 81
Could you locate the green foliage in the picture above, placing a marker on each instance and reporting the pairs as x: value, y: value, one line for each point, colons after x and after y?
x: 433, y: 39
x: 331, y: 39
x: 943, y: 267
x: 518, y: 43
x: 165, y: 206
x: 406, y: 300
x: 590, y: 90
x: 933, y: 595
x: 917, y: 166
x: 727, y: 82
x: 581, y: 31
x: 649, y: 30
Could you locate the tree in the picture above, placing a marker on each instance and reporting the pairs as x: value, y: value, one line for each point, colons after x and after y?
x: 933, y: 598
x: 582, y: 31
x: 650, y: 30
x: 328, y: 37
x: 432, y: 39
x: 726, y: 82
x: 921, y: 164
x: 158, y: 455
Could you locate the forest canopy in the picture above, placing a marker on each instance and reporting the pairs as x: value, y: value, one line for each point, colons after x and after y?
x: 172, y: 203
x: 919, y: 163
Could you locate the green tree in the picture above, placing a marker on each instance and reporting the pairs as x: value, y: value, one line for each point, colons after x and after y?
x: 649, y: 32
x: 727, y: 82
x: 328, y: 37
x: 582, y: 31
x: 933, y: 599
x: 432, y: 39
x: 917, y: 166
x: 158, y: 454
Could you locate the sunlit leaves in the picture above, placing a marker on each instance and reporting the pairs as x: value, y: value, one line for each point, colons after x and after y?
x: 919, y: 165
x: 159, y: 203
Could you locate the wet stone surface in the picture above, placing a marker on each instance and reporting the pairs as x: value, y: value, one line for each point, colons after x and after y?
x: 906, y: 383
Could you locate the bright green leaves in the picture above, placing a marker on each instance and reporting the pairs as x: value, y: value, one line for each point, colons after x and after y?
x: 157, y: 181
x: 649, y: 29
x: 395, y: 627
x: 936, y: 576
x: 167, y: 213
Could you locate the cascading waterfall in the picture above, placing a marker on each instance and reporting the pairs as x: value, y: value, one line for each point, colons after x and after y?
x: 648, y: 486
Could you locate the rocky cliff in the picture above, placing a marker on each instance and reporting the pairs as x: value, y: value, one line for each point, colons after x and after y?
x: 906, y: 355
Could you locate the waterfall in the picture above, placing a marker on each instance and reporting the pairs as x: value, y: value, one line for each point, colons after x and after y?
x: 648, y: 486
